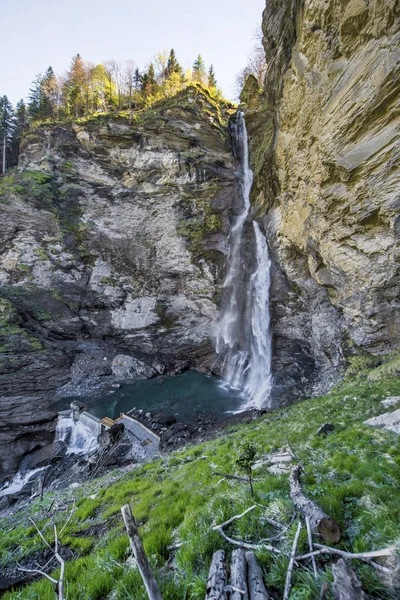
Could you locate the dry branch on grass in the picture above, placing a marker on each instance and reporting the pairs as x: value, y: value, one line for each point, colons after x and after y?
x: 288, y: 581
x: 240, y: 543
x: 151, y: 585
x: 320, y: 522
x: 59, y: 583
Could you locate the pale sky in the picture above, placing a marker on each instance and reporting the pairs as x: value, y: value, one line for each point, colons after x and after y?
x: 49, y: 32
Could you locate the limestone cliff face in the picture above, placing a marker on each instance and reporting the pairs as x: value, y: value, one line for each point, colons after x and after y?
x: 325, y: 151
x: 112, y: 238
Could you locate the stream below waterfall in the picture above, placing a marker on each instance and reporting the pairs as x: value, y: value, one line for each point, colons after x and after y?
x: 183, y: 396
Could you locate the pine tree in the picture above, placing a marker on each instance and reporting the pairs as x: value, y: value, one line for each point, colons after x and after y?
x: 149, y: 83
x: 35, y: 98
x: 49, y: 95
x: 137, y: 80
x: 7, y: 128
x: 212, y: 82
x: 21, y: 124
x: 75, y: 86
x: 172, y: 65
x: 199, y: 70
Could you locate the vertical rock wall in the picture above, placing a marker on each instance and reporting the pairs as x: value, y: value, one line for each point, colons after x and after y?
x: 325, y: 152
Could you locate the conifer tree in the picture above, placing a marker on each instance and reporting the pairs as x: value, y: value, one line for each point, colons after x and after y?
x: 199, y: 70
x: 35, y: 98
x: 149, y: 84
x: 21, y: 124
x: 137, y: 80
x: 7, y: 128
x: 212, y: 82
x: 75, y: 86
x: 172, y: 65
x: 49, y: 95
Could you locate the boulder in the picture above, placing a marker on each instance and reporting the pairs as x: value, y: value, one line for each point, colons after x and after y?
x: 325, y: 429
x: 389, y: 421
x: 165, y: 419
x: 127, y: 367
x: 110, y: 436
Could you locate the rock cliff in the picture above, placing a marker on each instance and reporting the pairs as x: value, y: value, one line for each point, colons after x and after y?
x: 325, y: 150
x: 111, y: 243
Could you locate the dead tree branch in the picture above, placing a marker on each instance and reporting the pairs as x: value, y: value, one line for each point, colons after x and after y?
x: 310, y: 547
x: 288, y: 581
x: 59, y: 583
x: 151, y: 585
x: 229, y: 521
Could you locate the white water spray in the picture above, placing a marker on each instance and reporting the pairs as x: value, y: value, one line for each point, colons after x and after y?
x: 244, y: 336
x: 78, y: 436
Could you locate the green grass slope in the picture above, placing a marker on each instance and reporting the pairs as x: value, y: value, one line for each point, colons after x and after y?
x: 353, y: 474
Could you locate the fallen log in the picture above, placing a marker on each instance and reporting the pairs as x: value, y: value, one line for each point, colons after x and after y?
x: 320, y: 522
x: 255, y: 581
x: 239, y: 575
x: 151, y: 585
x: 346, y: 585
x: 217, y: 578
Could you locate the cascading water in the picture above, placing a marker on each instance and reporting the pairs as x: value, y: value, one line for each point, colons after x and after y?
x: 78, y: 436
x: 244, y: 337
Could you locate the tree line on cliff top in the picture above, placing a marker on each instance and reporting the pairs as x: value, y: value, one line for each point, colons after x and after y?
x: 88, y: 89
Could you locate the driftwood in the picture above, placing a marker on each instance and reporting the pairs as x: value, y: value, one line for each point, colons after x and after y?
x: 239, y: 575
x: 310, y: 547
x: 288, y: 581
x: 257, y: 589
x: 320, y: 522
x: 217, y: 578
x: 346, y: 585
x: 151, y: 585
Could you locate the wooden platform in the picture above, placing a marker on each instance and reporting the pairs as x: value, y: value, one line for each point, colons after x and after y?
x: 107, y: 422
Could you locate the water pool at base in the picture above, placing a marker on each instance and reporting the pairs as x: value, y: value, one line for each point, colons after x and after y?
x: 183, y: 396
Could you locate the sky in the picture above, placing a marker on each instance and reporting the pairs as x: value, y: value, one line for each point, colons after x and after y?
x: 51, y: 32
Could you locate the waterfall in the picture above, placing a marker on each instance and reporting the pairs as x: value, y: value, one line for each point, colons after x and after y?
x: 78, y: 435
x: 244, y: 337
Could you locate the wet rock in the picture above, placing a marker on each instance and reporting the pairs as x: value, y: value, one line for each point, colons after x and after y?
x: 48, y: 455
